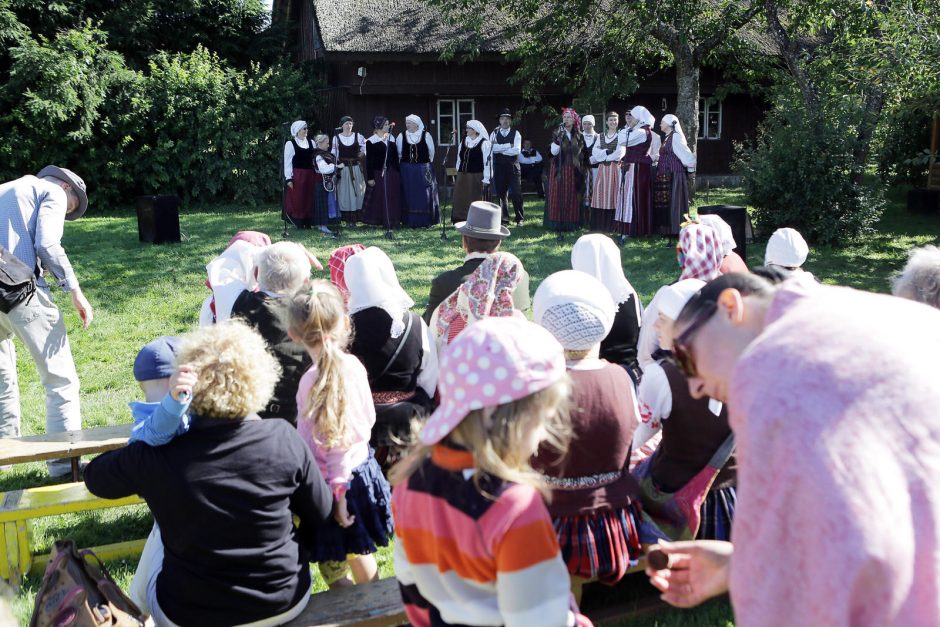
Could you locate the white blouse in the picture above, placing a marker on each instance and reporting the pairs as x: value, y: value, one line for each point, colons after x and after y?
x: 682, y: 151
x: 289, y: 156
x: 349, y: 141
x: 487, y: 148
x: 427, y: 140
x: 599, y: 154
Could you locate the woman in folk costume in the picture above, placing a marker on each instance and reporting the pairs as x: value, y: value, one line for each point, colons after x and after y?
x: 634, y: 214
x: 325, y: 209
x: 731, y: 261
x: 382, y: 202
x: 566, y: 177
x: 592, y: 507
x: 416, y: 147
x: 588, y: 163
x: 349, y: 148
x: 486, y: 293
x: 597, y: 255
x: 671, y: 188
x: 693, y: 429
x: 299, y: 175
x: 473, y: 170
x: 607, y: 154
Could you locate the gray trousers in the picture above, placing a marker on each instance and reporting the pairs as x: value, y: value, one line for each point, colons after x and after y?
x: 38, y: 324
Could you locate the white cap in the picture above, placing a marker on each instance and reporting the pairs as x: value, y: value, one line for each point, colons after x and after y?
x: 672, y: 298
x: 586, y: 119
x: 787, y: 248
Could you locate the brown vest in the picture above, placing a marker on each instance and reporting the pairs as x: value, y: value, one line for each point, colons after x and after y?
x: 691, y: 435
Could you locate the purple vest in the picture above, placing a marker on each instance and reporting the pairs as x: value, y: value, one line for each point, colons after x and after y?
x: 640, y: 152
x: 668, y: 161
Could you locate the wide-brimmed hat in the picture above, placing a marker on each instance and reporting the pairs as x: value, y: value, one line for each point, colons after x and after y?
x: 78, y: 185
x: 494, y: 362
x: 483, y: 221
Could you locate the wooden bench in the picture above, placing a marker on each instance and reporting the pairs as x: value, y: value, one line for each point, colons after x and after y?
x: 68, y: 444
x: 376, y: 604
x: 18, y: 507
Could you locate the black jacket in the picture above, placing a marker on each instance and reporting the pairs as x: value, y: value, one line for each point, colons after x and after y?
x: 446, y: 283
x: 223, y: 495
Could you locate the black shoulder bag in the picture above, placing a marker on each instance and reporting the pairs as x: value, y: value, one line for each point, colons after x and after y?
x: 17, y: 281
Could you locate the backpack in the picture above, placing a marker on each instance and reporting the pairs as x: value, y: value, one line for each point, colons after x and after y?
x: 17, y: 281
x: 77, y: 593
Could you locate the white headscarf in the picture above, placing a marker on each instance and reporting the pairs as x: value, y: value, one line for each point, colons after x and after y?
x: 575, y: 308
x: 585, y: 120
x: 372, y: 282
x: 296, y: 127
x: 480, y: 129
x: 643, y: 115
x: 414, y: 138
x: 598, y: 256
x: 724, y: 231
x: 673, y: 121
x: 787, y: 248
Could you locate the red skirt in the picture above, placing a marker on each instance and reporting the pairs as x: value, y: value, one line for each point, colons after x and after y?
x: 601, y: 545
x: 300, y: 197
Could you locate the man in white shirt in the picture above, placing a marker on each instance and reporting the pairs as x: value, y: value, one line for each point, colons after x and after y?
x: 507, y: 144
x: 530, y: 162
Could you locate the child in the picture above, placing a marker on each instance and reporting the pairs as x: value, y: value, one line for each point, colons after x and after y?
x: 335, y: 418
x: 475, y: 540
x: 593, y: 503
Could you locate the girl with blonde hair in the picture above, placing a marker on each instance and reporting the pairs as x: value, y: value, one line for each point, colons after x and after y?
x: 335, y: 419
x: 475, y: 543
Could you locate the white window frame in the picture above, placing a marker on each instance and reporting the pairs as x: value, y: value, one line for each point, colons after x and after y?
x: 706, y: 106
x: 455, y: 104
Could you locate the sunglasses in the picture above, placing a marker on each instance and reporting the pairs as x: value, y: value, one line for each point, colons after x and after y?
x: 681, y: 346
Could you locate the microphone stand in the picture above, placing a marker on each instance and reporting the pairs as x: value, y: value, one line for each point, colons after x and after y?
x: 337, y: 176
x: 388, y: 141
x: 444, y: 207
x: 280, y: 177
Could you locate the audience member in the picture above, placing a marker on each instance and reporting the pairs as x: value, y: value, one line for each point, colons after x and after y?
x: 787, y: 249
x: 33, y: 211
x: 699, y: 252
x: 337, y: 263
x: 731, y: 261
x: 200, y: 569
x: 475, y: 543
x: 592, y: 504
x: 838, y: 437
x: 280, y: 270
x: 336, y: 417
x: 599, y: 256
x: 229, y: 274
x: 482, y: 235
x: 920, y: 278
x: 530, y: 163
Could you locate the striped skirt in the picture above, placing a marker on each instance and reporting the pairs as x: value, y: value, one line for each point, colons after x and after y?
x: 606, y: 186
x: 602, y: 545
x: 562, y: 209
x: 717, y: 514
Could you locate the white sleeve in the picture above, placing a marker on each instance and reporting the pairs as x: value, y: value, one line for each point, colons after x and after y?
x: 655, y: 400
x: 555, y: 148
x: 636, y: 137
x: 362, y: 143
x: 430, y: 143
x: 457, y: 163
x: 497, y: 149
x: 524, y: 160
x: 599, y: 153
x: 617, y: 154
x: 288, y: 161
x: 655, y: 145
x: 325, y: 168
x: 334, y: 146
x: 398, y: 143
x: 427, y: 378
x: 682, y: 151
x: 537, y: 158
x: 516, y: 148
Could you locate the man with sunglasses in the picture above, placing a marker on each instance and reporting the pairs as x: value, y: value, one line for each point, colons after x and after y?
x: 833, y: 398
x: 33, y: 211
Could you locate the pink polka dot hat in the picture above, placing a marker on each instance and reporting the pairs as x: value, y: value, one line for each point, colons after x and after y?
x: 493, y: 362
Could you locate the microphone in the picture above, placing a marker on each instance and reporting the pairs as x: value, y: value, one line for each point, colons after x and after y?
x: 391, y: 125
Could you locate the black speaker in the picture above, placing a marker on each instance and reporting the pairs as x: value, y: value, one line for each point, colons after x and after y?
x: 922, y: 200
x: 158, y: 219
x: 736, y: 217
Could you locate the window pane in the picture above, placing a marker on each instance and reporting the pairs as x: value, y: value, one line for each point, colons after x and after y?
x: 444, y: 127
x: 465, y: 107
x: 714, y: 123
x: 463, y: 119
x: 445, y: 107
x: 702, y: 120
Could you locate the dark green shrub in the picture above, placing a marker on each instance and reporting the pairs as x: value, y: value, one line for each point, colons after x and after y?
x: 903, y: 140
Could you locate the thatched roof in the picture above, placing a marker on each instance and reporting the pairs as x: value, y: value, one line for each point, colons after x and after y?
x: 395, y: 26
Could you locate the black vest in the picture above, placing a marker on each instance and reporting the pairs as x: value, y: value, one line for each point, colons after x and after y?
x: 415, y: 153
x: 348, y: 153
x: 505, y: 160
x: 375, y: 157
x: 303, y: 157
x: 471, y: 159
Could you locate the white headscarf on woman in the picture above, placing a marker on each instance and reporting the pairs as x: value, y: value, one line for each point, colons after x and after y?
x: 679, y: 144
x: 724, y: 231
x: 598, y: 256
x: 643, y: 115
x: 372, y: 282
x: 414, y: 138
x: 673, y: 121
x: 295, y: 128
x: 481, y: 133
x: 575, y: 308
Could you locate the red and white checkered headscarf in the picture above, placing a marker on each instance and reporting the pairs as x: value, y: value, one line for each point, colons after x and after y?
x: 338, y: 266
x: 699, y: 252
x: 574, y: 114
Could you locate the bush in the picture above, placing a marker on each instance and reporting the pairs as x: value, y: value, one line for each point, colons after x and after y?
x: 801, y: 173
x: 903, y: 140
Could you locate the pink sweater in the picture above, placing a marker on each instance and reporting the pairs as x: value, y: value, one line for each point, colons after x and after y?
x: 337, y: 463
x: 836, y: 409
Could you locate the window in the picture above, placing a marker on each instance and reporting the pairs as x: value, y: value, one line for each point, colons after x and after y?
x: 709, y: 119
x: 453, y: 114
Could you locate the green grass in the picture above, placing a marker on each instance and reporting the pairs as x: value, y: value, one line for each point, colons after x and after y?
x: 141, y: 291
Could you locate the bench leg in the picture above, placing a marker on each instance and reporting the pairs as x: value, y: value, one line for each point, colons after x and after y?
x: 9, y: 561
x: 76, y: 477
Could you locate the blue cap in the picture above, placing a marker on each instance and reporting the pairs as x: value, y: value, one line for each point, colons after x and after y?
x: 157, y: 360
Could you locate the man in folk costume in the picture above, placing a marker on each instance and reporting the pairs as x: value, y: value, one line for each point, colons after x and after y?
x: 507, y: 176
x: 530, y: 162
x: 634, y: 213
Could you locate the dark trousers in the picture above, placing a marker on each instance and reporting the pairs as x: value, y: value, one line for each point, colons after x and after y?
x: 507, y: 182
x: 533, y: 172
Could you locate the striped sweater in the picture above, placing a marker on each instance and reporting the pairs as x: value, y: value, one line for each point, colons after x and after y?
x: 462, y: 558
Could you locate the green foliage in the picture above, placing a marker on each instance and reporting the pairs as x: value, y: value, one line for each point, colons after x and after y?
x: 903, y: 139
x: 803, y: 174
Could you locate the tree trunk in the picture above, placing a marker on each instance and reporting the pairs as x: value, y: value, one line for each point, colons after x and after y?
x: 688, y: 73
x: 874, y: 103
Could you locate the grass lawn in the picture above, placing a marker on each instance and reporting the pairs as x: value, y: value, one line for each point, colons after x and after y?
x: 140, y: 291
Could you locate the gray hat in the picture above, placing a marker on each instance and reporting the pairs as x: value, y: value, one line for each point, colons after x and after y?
x: 483, y: 222
x: 77, y: 184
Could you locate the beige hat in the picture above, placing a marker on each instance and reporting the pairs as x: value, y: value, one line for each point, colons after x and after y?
x: 78, y: 186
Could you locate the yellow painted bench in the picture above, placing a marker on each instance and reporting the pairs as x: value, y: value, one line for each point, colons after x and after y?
x: 18, y: 507
x: 68, y: 444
